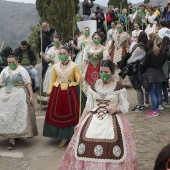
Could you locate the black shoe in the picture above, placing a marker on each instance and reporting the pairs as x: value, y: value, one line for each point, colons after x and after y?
x: 10, y: 146
x: 138, y: 109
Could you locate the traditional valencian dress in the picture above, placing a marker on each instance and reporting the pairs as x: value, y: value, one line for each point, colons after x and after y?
x: 82, y: 43
x: 17, y: 115
x: 120, y: 46
x: 110, y: 35
x: 103, y: 141
x: 53, y: 55
x: 118, y: 50
x: 63, y: 108
x: 151, y: 28
x: 91, y: 72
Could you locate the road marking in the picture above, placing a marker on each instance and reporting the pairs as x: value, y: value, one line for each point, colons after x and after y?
x: 41, y: 117
x: 12, y: 154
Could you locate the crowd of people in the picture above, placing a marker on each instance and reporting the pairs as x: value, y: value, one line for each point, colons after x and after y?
x: 83, y: 86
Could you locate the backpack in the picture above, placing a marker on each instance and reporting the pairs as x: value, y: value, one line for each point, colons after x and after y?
x: 122, y: 63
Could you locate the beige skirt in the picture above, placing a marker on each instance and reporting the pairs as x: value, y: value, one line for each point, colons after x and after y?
x: 17, y: 115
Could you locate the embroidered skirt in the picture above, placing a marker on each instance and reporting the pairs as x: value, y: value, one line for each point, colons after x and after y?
x: 17, y: 115
x: 71, y: 159
x: 63, y: 107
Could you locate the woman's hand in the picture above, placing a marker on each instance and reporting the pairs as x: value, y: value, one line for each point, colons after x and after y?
x: 42, y: 54
x: 113, y: 110
x: 31, y: 100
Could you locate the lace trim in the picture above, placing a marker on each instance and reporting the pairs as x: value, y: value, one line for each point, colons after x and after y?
x: 102, y: 48
x: 101, y: 160
x: 109, y: 91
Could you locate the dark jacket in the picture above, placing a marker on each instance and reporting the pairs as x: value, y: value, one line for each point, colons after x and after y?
x: 152, y: 61
x: 31, y: 55
x: 165, y: 12
x: 46, y: 40
x: 87, y: 8
x: 4, y: 54
x: 154, y: 66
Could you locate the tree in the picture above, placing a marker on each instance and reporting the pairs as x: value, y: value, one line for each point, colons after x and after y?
x: 60, y: 14
x: 33, y: 38
x: 146, y: 1
x: 118, y: 4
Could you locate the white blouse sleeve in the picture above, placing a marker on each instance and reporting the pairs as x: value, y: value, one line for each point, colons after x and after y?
x: 89, y: 102
x: 25, y: 76
x: 123, y: 103
x: 2, y: 77
x: 105, y: 54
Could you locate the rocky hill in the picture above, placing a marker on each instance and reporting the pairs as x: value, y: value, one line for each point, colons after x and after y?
x: 15, y: 21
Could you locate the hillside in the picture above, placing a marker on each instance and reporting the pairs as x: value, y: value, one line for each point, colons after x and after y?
x: 16, y: 19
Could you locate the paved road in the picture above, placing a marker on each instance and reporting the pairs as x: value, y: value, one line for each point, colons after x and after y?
x: 32, y: 154
x: 41, y: 153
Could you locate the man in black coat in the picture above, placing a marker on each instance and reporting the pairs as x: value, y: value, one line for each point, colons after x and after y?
x: 27, y: 59
x: 87, y: 9
x: 166, y: 11
x: 46, y: 40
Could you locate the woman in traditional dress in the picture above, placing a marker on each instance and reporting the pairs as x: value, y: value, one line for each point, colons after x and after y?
x: 111, y: 32
x: 119, y: 47
x: 63, y: 107
x: 135, y: 35
x: 120, y: 44
x: 17, y: 115
x: 83, y: 41
x: 52, y: 57
x: 103, y: 139
x: 153, y: 21
x: 93, y: 55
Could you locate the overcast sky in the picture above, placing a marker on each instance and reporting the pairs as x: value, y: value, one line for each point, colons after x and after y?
x: 101, y: 2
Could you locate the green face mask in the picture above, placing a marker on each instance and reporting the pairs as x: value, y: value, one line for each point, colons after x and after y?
x: 135, y: 27
x: 56, y: 44
x: 63, y: 57
x: 96, y: 41
x: 86, y: 33
x: 13, y: 66
x: 119, y: 30
x: 105, y: 77
x: 112, y: 26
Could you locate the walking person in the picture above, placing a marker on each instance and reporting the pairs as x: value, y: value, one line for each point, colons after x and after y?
x: 17, y: 115
x: 63, y: 108
x: 102, y: 139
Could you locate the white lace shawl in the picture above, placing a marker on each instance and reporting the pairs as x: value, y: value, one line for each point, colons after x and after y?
x: 85, y: 55
x: 20, y: 70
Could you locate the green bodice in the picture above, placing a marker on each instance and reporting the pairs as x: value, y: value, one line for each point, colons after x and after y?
x: 95, y: 59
